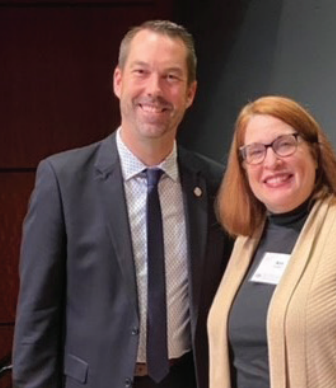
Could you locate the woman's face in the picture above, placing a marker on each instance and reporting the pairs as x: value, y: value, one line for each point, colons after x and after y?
x: 280, y: 183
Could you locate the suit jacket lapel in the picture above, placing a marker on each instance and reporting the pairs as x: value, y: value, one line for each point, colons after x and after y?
x: 196, y: 213
x: 111, y: 191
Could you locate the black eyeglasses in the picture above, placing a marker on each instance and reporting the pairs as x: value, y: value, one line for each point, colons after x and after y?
x: 284, y: 145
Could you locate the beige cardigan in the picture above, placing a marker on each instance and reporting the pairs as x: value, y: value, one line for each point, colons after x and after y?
x: 301, y: 320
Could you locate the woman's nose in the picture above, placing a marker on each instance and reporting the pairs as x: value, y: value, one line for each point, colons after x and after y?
x: 271, y: 158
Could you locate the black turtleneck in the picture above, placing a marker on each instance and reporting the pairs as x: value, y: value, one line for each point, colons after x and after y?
x: 247, y: 320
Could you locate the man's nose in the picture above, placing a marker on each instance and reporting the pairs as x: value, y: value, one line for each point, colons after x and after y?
x: 154, y: 85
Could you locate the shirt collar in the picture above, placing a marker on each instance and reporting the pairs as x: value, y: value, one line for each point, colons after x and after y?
x: 131, y: 166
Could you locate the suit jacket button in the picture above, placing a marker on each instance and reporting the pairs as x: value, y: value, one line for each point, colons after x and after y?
x: 135, y: 331
x: 128, y: 383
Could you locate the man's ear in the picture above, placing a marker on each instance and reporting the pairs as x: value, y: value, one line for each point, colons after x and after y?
x: 191, y: 93
x: 117, y: 81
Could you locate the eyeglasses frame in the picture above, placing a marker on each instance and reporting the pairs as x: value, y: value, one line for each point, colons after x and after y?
x: 242, y: 149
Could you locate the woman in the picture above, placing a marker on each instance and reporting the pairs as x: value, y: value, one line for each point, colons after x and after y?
x: 273, y: 321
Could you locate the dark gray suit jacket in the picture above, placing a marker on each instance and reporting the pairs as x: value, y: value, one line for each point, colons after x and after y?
x: 77, y: 318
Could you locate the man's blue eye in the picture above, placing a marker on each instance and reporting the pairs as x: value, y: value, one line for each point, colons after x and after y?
x: 172, y: 77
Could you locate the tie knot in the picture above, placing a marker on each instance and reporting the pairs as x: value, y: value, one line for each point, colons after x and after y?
x: 153, y: 176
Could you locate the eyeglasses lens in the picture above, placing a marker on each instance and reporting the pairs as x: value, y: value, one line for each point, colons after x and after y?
x: 282, y: 146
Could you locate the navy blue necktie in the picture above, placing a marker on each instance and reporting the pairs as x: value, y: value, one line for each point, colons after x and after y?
x: 157, y: 349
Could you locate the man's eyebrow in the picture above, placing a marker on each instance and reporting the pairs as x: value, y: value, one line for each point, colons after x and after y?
x: 175, y: 69
x: 139, y: 63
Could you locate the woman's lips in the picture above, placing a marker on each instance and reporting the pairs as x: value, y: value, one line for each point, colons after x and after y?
x: 277, y: 180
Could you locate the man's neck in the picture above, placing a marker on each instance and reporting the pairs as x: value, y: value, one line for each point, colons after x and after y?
x: 152, y: 151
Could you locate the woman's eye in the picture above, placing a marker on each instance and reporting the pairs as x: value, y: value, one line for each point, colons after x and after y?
x: 256, y: 151
x: 284, y: 144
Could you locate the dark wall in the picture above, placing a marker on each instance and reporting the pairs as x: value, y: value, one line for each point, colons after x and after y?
x: 57, y: 60
x: 249, y: 48
x: 56, y: 66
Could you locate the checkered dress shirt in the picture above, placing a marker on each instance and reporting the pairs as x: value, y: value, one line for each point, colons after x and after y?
x: 175, y: 245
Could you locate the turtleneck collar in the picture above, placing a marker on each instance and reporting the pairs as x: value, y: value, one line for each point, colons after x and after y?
x: 297, y: 215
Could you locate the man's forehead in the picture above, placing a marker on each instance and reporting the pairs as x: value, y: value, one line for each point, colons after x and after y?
x: 147, y: 46
x: 149, y: 37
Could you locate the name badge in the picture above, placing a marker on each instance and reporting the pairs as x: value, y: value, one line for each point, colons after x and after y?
x: 271, y: 268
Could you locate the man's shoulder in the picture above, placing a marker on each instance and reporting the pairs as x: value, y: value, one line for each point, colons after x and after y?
x: 79, y: 158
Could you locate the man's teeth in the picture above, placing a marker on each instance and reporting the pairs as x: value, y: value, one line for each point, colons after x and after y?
x: 152, y: 109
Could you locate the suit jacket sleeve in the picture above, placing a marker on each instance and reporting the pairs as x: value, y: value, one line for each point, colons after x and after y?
x: 38, y: 329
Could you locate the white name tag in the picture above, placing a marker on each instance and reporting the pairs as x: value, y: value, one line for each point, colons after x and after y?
x: 271, y: 268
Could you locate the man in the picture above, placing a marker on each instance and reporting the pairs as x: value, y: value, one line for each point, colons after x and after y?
x: 82, y: 309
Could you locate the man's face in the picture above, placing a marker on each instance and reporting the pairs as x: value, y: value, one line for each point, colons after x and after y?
x: 152, y: 87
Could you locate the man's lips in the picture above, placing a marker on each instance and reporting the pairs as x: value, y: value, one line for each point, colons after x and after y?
x: 278, y: 179
x: 149, y: 108
x: 154, y: 105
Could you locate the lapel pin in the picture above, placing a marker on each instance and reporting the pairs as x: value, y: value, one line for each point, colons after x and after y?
x: 197, y: 191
